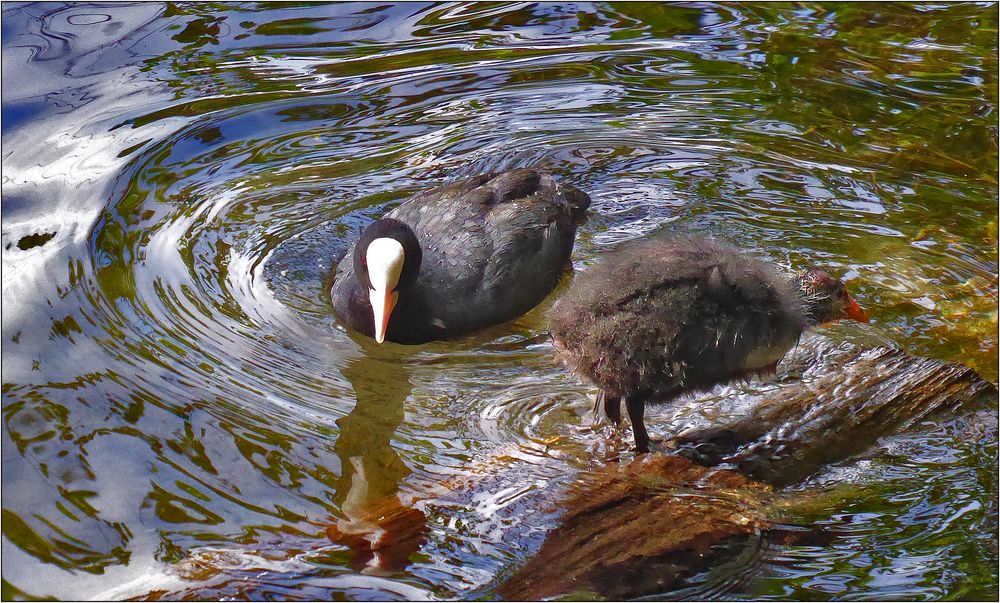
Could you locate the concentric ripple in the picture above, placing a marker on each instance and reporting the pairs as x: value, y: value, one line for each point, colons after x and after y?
x: 184, y: 415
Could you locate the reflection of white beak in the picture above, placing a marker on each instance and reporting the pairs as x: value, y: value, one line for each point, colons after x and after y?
x: 385, y: 263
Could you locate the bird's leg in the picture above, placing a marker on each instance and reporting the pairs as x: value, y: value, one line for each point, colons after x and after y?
x: 636, y: 406
x: 613, y: 409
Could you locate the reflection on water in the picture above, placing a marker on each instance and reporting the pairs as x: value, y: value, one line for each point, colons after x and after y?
x: 382, y: 530
x: 182, y: 414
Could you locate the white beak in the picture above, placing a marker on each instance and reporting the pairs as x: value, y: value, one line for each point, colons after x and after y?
x: 385, y: 263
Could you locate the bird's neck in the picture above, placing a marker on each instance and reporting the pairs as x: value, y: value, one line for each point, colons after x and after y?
x: 814, y: 307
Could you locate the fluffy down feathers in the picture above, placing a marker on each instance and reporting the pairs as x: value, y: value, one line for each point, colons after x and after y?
x: 674, y: 314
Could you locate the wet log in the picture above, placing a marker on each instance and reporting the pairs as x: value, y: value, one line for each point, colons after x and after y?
x: 645, y: 527
x: 844, y: 400
x: 641, y: 528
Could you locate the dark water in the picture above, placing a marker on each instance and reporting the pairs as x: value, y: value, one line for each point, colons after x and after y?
x: 183, y: 416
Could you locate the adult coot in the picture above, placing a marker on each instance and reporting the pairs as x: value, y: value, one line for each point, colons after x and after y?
x: 458, y: 258
x: 679, y: 314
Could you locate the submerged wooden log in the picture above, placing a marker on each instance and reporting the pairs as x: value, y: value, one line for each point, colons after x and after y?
x: 641, y: 528
x: 645, y: 527
x: 845, y: 400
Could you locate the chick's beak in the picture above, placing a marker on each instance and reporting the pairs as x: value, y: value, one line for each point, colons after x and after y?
x: 854, y: 311
x: 382, y: 304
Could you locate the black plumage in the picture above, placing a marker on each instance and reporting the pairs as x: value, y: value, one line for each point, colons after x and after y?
x: 479, y: 252
x: 675, y: 314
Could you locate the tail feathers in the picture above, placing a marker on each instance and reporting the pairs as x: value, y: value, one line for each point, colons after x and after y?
x: 578, y: 201
x: 525, y: 182
x: 515, y: 184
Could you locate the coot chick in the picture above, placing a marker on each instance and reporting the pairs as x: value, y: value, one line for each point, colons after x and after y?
x: 458, y: 258
x: 679, y: 314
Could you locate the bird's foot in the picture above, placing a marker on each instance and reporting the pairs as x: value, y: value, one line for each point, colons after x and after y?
x: 708, y: 447
x: 655, y: 445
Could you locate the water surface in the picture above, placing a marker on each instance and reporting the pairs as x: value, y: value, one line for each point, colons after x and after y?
x: 184, y: 417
